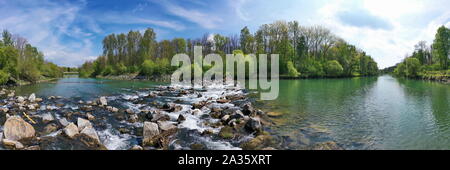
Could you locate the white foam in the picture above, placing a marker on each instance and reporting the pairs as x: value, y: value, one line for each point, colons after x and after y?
x: 114, y: 141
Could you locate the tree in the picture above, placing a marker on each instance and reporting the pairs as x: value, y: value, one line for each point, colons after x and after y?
x: 412, y: 67
x: 292, y: 72
x: 333, y: 68
x: 441, y: 46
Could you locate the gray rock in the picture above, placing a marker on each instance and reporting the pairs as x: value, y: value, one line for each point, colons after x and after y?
x: 103, y: 101
x: 20, y: 99
x: 90, y: 132
x: 166, y: 125
x: 83, y: 123
x: 160, y: 117
x: 137, y: 147
x: 64, y: 122
x: 71, y: 130
x: 12, y: 144
x: 48, y: 117
x: 225, y: 118
x: 150, y: 131
x: 32, y: 98
x: 16, y: 128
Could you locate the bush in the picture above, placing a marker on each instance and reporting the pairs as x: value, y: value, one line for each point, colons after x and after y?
x: 120, y: 69
x: 4, y: 77
x: 333, y: 68
x: 148, y: 68
x: 292, y: 72
x: 412, y: 67
x: 107, y: 71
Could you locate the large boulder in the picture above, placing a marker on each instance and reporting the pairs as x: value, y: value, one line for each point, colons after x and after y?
x: 90, y: 132
x: 149, y: 133
x: 20, y: 99
x: 103, y: 101
x: 71, y: 130
x: 83, y: 123
x: 16, y: 128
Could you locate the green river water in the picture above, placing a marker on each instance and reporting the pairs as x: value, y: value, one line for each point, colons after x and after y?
x: 357, y: 113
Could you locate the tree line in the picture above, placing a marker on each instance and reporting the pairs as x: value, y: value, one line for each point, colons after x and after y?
x: 303, y: 51
x: 426, y: 60
x: 20, y: 61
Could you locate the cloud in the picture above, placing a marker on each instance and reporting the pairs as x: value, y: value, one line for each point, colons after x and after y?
x: 126, y: 19
x: 205, y: 20
x: 362, y: 18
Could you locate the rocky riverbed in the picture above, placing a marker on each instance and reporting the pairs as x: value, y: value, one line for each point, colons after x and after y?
x: 163, y: 117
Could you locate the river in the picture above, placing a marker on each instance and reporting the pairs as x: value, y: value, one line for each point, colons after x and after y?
x: 357, y: 113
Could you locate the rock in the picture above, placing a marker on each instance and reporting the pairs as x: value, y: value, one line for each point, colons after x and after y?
x: 90, y: 116
x: 38, y: 99
x: 160, y: 117
x: 149, y: 133
x: 114, y: 109
x: 222, y: 101
x: 274, y: 114
x: 20, y: 99
x: 90, y: 132
x: 34, y: 148
x: 136, y: 148
x: 11, y: 94
x: 181, y: 118
x: 80, y: 102
x: 196, y: 112
x: 198, y: 105
x: 50, y: 128
x: 71, y: 130
x: 198, y: 146
x: 226, y: 132
x: 4, y: 109
x: 32, y: 98
x: 330, y: 145
x: 16, y: 128
x: 166, y: 125
x: 63, y: 122
x: 48, y: 117
x: 129, y: 111
x: 83, y: 123
x: 103, y: 101
x: 247, y: 109
x: 133, y: 118
x: 258, y: 142
x: 12, y: 144
x: 51, y: 97
x: 253, y: 125
x: 225, y: 118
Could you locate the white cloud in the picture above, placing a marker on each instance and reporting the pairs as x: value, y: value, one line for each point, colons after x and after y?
x: 205, y: 20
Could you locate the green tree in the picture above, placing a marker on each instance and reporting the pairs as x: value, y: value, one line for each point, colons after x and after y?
x: 333, y: 68
x: 292, y: 72
x: 441, y: 46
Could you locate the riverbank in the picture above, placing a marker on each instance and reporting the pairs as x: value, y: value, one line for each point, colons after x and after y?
x: 164, y: 117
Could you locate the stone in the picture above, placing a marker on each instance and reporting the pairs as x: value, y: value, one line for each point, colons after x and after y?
x: 330, y: 145
x: 48, y: 117
x: 4, y: 109
x: 129, y: 111
x: 225, y: 118
x: 166, y: 125
x: 181, y: 118
x: 222, y: 101
x: 226, y: 132
x: 160, y: 117
x: 274, y: 114
x: 247, y: 109
x: 83, y: 123
x: 80, y: 102
x: 20, y: 99
x: 90, y: 116
x: 259, y: 142
x: 198, y: 146
x: 11, y: 94
x: 12, y: 144
x: 90, y: 132
x: 253, y: 125
x: 32, y: 98
x: 149, y: 133
x: 133, y: 118
x: 63, y: 122
x: 35, y: 148
x: 50, y: 128
x: 38, y: 99
x: 136, y: 148
x: 16, y: 128
x: 103, y: 101
x: 71, y: 130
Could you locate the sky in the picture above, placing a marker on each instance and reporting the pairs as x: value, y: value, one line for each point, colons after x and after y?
x: 69, y: 32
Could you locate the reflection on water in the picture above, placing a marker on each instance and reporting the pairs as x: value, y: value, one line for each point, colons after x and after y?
x: 365, y: 113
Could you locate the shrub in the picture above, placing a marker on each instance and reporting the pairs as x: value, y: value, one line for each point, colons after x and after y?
x: 412, y: 67
x: 148, y: 68
x: 292, y: 72
x: 333, y: 68
x: 4, y: 77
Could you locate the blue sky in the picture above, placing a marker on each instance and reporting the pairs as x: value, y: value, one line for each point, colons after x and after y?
x: 70, y: 32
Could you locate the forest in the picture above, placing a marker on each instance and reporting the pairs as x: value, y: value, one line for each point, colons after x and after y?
x: 20, y: 62
x: 304, y: 52
x: 428, y: 62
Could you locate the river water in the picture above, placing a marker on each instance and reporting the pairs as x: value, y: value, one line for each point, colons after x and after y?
x: 357, y: 113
